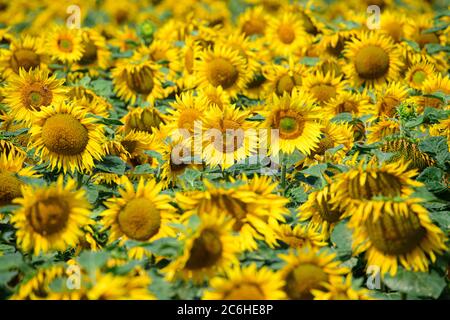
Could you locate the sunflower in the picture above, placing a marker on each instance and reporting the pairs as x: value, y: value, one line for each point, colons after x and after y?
x: 382, y: 129
x: 95, y: 51
x: 137, y: 77
x: 283, y: 78
x: 253, y: 206
x: 253, y: 22
x: 333, y: 42
x: 227, y: 136
x: 296, y: 117
x: 222, y: 66
x: 30, y: 90
x: 140, y: 214
x: 309, y: 269
x: 105, y: 178
x: 12, y: 169
x: 214, y: 96
x: 125, y: 38
x: 356, y: 103
x: 397, y: 234
x: 190, y: 53
x: 299, y: 236
x: 9, y: 147
x: 433, y: 84
x: 323, y: 87
x: 51, y: 217
x: 442, y: 128
x: 388, y: 98
x: 208, y: 249
x: 321, y: 211
x: 373, y: 60
x: 393, y: 23
x: 341, y: 289
x: 417, y: 28
x: 246, y: 283
x: 418, y: 73
x: 285, y: 34
x: 366, y: 187
x: 147, y: 119
x: 63, y: 135
x: 65, y: 45
x: 88, y: 99
x: 25, y: 52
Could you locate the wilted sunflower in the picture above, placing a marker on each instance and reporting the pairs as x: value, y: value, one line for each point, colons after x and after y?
x: 388, y: 98
x: 341, y: 289
x: 65, y: 45
x: 321, y: 211
x: 308, y: 269
x: 228, y: 136
x: 222, y: 66
x: 91, y: 101
x: 299, y: 236
x: 130, y: 146
x: 246, y: 283
x: 30, y: 90
x: 12, y: 168
x: 285, y: 34
x: 135, y: 78
x: 63, y: 135
x: 51, y: 217
x: 323, y: 87
x: 296, y: 117
x: 400, y: 232
x: 208, y: 249
x: 140, y: 214
x: 373, y: 60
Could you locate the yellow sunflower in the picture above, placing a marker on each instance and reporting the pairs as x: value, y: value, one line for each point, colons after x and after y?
x: 397, y: 234
x: 283, y: 78
x: 227, y: 136
x: 418, y: 72
x: 382, y: 129
x: 140, y: 214
x: 253, y: 22
x: 65, y: 45
x: 323, y: 87
x: 433, y: 84
x: 388, y: 98
x: 442, y: 128
x: 51, y: 217
x: 63, y: 135
x: 296, y: 117
x: 341, y: 289
x: 190, y: 53
x: 147, y: 119
x: 208, y: 249
x: 299, y: 236
x: 356, y: 103
x: 95, y: 53
x: 246, y: 283
x: 222, y: 66
x: 214, y: 96
x: 285, y: 34
x: 30, y: 90
x: 373, y: 60
x: 125, y: 38
x: 308, y: 269
x: 416, y: 30
x: 393, y: 23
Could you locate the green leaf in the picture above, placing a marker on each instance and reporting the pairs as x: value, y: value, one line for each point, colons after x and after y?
x: 433, y: 48
x: 421, y: 284
x: 342, y: 117
x: 6, y: 276
x: 437, y: 147
x: 341, y: 237
x: 412, y: 44
x: 309, y: 61
x: 108, y: 121
x: 112, y: 164
x: 11, y: 261
x: 442, y: 218
x: 164, y: 247
x: 436, y: 28
x: 432, y: 177
x: 102, y: 87
x: 293, y: 158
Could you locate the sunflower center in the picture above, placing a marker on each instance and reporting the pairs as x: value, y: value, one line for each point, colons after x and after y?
x: 222, y: 73
x: 90, y: 53
x: 252, y: 27
x: 9, y: 188
x: 347, y: 106
x: 36, y: 95
x: 49, y: 216
x: 129, y: 145
x: 419, y: 76
x: 304, y: 278
x: 65, y: 45
x: 232, y: 136
x: 328, y: 212
x: 384, y: 184
x: 371, y: 62
x: 324, y: 144
x: 187, y: 118
x: 323, y: 92
x: 395, y: 234
x: 63, y: 134
x: 426, y: 38
x: 286, y: 33
x: 141, y: 81
x: 290, y: 126
x: 24, y: 58
x: 139, y: 219
x: 245, y: 291
x: 234, y: 207
x: 206, y: 251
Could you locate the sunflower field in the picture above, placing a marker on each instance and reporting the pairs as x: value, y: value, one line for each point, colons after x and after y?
x: 224, y: 149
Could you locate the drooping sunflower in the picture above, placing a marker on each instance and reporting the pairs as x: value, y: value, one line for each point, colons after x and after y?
x: 388, y: 98
x: 283, y: 78
x: 322, y: 211
x: 12, y: 169
x: 30, y: 90
x: 208, y: 249
x: 435, y: 83
x: 88, y: 99
x: 397, y: 234
x: 140, y: 214
x: 285, y: 34
x: 222, y: 66
x: 26, y: 52
x: 333, y: 42
x: 135, y: 78
x: 308, y: 269
x: 65, y: 45
x: 296, y: 117
x: 373, y: 60
x: 299, y: 236
x: 355, y: 103
x: 382, y: 129
x: 227, y: 136
x: 51, y: 217
x: 131, y: 146
x: 341, y: 289
x: 190, y: 53
x: 95, y: 51
x: 63, y: 135
x: 246, y: 283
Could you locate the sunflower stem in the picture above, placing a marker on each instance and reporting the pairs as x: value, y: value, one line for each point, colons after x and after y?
x: 79, y: 180
x: 403, y: 296
x: 283, y: 177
